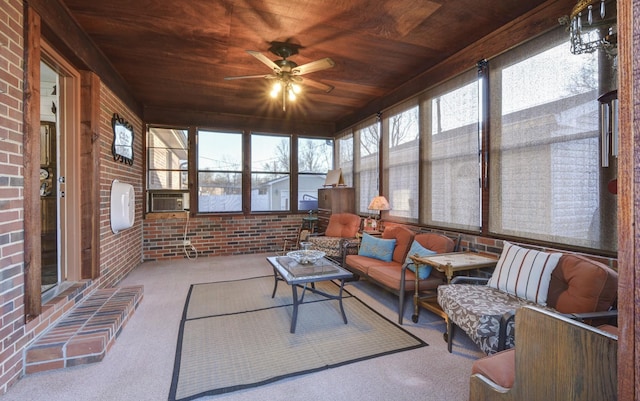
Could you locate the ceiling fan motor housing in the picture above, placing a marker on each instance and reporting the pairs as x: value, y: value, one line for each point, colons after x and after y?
x: 284, y: 49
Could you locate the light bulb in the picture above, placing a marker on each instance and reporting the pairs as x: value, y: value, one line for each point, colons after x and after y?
x: 292, y: 96
x: 296, y: 88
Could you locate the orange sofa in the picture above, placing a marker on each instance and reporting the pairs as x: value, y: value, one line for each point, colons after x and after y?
x: 393, y: 275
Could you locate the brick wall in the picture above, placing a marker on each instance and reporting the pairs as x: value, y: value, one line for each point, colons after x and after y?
x: 119, y: 253
x: 12, y: 329
x: 218, y: 235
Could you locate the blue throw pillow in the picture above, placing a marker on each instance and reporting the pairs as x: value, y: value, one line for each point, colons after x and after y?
x: 377, y: 248
x: 417, y: 249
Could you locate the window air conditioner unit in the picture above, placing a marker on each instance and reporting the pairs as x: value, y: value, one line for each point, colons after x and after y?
x: 169, y: 202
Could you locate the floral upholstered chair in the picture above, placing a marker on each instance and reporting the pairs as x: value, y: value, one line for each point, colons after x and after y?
x: 559, y: 282
x: 341, y: 227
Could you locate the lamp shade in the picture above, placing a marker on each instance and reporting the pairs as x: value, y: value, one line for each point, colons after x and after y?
x: 379, y: 203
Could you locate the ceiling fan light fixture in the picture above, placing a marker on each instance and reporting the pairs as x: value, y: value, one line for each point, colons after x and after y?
x: 286, y: 74
x: 275, y: 89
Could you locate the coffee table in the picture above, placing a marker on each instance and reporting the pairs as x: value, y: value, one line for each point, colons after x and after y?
x: 301, y: 275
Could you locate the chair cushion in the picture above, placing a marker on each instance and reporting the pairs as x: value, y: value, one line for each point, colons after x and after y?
x: 344, y: 225
x: 500, y: 368
x: 329, y: 245
x: 524, y: 272
x: 580, y: 285
x: 377, y: 248
x: 478, y: 310
x: 418, y: 250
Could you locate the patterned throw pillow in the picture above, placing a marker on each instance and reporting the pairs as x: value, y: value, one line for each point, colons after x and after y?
x: 525, y: 273
x: 418, y: 250
x: 377, y: 248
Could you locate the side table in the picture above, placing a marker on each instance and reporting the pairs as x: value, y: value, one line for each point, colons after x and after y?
x: 449, y: 264
x: 310, y: 223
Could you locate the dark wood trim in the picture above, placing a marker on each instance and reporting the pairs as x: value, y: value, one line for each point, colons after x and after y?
x: 72, y: 42
x: 485, y: 148
x: 154, y: 115
x: 90, y: 175
x: 293, y: 174
x: 539, y: 20
x: 32, y: 221
x: 246, y: 173
x: 192, y: 172
x: 628, y: 198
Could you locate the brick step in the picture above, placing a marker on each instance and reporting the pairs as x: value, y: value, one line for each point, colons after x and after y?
x: 86, y: 333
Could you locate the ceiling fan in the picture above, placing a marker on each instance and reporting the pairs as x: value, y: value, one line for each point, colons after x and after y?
x: 286, y: 73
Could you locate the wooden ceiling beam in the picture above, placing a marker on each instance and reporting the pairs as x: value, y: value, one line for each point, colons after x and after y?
x: 541, y: 19
x: 66, y: 36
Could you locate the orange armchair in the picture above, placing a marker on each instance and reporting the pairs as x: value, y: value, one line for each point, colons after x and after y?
x: 341, y: 227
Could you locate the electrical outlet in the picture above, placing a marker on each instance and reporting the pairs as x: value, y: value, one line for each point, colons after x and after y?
x: 186, y: 242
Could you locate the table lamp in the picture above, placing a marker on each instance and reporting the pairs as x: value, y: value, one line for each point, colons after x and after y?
x: 378, y: 203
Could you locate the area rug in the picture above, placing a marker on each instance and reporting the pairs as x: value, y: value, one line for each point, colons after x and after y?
x: 233, y: 336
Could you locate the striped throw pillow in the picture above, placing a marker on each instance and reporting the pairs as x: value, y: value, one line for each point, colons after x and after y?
x: 525, y: 273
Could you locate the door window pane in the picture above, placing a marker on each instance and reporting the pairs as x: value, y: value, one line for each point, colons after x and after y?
x: 219, y: 171
x: 270, y: 177
x: 367, y: 165
x: 167, y: 158
x: 452, y: 165
x: 315, y: 158
x: 545, y: 175
x: 403, y: 163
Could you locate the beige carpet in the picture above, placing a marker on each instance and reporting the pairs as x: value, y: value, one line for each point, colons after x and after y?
x: 233, y: 335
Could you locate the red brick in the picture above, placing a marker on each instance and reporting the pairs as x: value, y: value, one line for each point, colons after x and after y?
x: 41, y: 367
x: 44, y: 353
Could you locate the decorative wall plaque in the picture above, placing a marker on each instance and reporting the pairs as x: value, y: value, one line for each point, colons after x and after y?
x: 122, y: 147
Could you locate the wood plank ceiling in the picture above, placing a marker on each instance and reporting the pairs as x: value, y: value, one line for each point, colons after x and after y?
x: 174, y: 54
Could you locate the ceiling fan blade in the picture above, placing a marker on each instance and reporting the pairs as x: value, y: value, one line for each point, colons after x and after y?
x: 267, y: 76
x: 318, y: 85
x: 313, y: 66
x: 266, y: 60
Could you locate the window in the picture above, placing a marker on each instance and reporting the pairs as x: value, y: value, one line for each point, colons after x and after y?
x: 344, y: 149
x: 545, y: 174
x: 219, y: 171
x: 270, y: 172
x: 315, y: 158
x: 167, y: 159
x: 366, y: 165
x: 402, y: 162
x: 451, y: 184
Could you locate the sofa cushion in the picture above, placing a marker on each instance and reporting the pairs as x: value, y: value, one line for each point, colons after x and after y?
x: 580, y: 285
x: 390, y: 275
x: 418, y: 250
x: 403, y: 237
x: 500, y: 368
x: 438, y: 243
x: 377, y: 248
x: 343, y: 225
x: 359, y: 264
x: 524, y: 272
